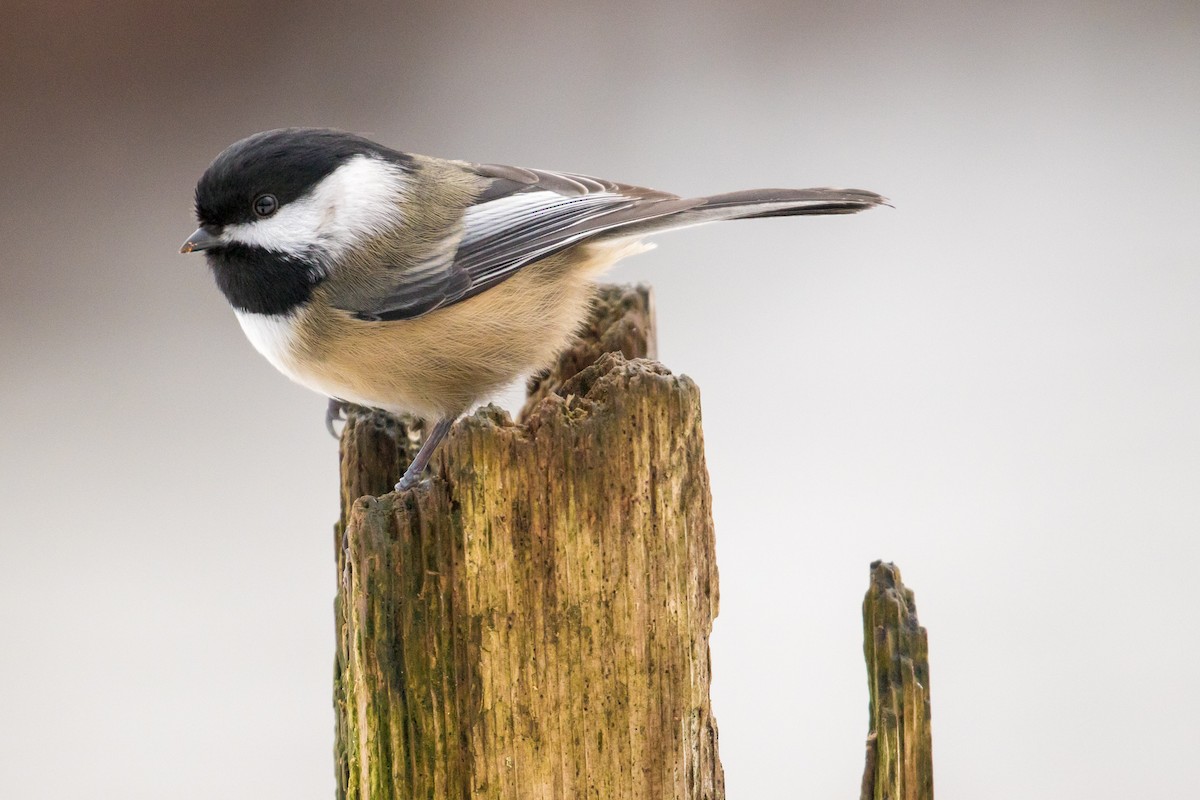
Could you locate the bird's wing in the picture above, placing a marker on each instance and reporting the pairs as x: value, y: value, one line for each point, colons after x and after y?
x: 520, y: 216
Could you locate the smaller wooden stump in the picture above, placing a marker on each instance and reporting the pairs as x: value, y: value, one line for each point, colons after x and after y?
x: 899, y: 743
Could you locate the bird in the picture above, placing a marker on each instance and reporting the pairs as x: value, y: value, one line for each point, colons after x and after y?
x: 422, y: 285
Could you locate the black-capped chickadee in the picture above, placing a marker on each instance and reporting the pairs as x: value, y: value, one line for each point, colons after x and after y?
x: 416, y: 284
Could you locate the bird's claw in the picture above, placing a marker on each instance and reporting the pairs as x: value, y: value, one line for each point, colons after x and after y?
x: 408, y: 482
x: 335, y: 412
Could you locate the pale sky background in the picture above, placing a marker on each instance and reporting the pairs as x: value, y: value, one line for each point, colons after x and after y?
x: 996, y: 384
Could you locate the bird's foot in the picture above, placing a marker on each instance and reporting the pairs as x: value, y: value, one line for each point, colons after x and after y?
x: 335, y: 412
x: 410, y: 481
x: 412, y: 475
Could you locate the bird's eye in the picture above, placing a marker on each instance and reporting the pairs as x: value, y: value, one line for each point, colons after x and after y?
x: 265, y: 205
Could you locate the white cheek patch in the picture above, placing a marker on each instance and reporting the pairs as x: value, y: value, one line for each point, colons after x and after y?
x: 295, y: 228
x: 356, y: 201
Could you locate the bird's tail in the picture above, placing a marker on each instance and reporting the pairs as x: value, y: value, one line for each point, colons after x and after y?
x: 755, y: 204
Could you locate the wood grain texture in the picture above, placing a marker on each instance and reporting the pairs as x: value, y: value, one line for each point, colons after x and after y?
x: 622, y: 321
x: 534, y: 621
x: 899, y: 743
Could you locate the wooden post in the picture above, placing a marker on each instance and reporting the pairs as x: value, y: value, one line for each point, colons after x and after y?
x: 534, y: 622
x: 899, y: 742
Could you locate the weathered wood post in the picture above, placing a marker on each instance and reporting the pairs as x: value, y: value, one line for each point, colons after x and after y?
x: 534, y: 622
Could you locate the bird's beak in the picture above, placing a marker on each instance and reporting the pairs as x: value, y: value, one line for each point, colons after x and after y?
x: 200, y: 240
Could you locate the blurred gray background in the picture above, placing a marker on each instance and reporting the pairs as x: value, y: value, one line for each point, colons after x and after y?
x: 995, y: 384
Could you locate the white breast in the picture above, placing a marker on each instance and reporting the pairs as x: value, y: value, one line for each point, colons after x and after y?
x: 274, y: 336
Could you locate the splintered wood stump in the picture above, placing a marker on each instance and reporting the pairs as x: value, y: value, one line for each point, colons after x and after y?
x: 899, y: 743
x: 534, y: 621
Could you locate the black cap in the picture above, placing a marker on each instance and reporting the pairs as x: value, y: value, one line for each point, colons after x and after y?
x: 286, y: 163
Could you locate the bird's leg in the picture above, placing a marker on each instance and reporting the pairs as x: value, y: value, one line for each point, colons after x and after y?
x: 413, y: 473
x: 333, y: 413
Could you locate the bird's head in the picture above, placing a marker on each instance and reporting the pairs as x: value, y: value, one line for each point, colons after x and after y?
x: 287, y: 204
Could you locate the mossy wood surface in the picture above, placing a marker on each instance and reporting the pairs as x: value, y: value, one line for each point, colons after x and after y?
x: 534, y: 621
x: 899, y: 743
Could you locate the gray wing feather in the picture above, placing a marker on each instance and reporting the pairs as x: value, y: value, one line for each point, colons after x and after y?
x: 419, y: 293
x: 523, y: 215
x: 492, y: 249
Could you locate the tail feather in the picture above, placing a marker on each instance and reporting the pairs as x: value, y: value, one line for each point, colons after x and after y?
x: 755, y: 203
x: 759, y: 204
